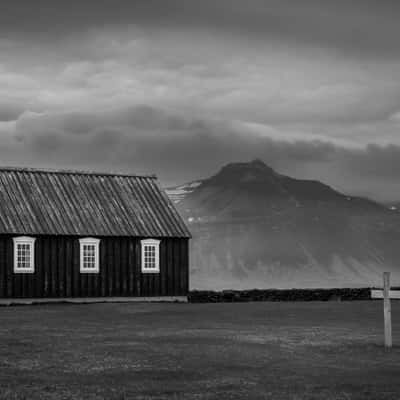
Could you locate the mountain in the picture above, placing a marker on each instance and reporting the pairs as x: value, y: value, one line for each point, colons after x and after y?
x: 255, y: 228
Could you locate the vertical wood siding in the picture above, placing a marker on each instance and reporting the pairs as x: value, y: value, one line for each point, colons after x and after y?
x: 57, y: 269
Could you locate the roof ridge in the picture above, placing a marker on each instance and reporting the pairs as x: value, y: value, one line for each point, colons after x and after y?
x: 74, y: 172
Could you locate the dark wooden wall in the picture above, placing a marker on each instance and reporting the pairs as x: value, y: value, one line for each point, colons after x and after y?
x: 57, y: 269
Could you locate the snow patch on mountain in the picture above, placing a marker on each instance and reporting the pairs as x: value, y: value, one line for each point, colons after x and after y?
x: 178, y: 193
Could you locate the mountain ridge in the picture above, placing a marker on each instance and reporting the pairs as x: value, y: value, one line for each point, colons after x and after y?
x: 260, y: 180
x: 253, y: 227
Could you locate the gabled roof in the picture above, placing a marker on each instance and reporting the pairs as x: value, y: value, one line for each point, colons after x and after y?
x: 57, y: 202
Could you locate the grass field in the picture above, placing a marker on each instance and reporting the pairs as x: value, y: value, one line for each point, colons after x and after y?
x: 330, y: 350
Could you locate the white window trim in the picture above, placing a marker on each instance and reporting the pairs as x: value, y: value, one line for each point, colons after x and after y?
x: 156, y: 244
x: 31, y: 242
x: 95, y: 242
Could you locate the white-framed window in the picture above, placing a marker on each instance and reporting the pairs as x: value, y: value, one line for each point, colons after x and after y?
x: 150, y: 256
x: 24, y: 255
x: 89, y: 255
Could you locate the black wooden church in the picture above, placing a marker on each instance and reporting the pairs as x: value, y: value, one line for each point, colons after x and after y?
x: 73, y: 234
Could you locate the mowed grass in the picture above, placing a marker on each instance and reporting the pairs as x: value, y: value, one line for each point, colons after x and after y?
x: 317, y: 350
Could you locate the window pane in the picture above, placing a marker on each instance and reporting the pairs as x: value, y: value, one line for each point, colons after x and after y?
x: 149, y: 257
x: 89, y: 256
x: 23, y: 255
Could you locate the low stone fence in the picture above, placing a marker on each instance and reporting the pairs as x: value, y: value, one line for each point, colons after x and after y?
x: 205, y: 296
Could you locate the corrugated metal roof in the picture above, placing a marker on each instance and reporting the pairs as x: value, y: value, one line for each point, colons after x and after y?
x: 58, y: 202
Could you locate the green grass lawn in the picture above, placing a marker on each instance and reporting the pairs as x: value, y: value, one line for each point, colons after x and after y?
x: 315, y: 350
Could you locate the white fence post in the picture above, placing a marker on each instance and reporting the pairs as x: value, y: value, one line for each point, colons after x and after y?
x: 386, y: 309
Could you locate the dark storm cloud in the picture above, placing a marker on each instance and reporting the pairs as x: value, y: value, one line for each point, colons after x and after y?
x: 179, y: 149
x: 79, y: 122
x: 357, y: 26
x: 180, y: 87
x: 9, y: 111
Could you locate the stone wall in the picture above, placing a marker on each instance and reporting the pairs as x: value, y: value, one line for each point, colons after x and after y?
x: 202, y: 296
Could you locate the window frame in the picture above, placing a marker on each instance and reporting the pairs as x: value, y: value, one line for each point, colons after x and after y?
x: 30, y: 241
x: 96, y: 243
x: 156, y: 244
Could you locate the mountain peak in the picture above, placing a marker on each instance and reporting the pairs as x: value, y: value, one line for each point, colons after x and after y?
x: 258, y: 163
x: 249, y: 189
x: 245, y: 172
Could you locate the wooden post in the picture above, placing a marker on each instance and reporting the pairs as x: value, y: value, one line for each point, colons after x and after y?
x: 386, y: 309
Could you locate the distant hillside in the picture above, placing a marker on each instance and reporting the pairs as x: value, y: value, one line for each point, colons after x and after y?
x: 253, y: 227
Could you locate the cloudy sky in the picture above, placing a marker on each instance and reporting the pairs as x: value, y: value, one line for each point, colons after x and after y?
x: 180, y: 87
